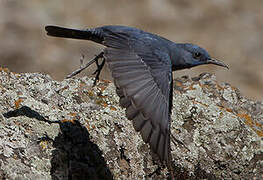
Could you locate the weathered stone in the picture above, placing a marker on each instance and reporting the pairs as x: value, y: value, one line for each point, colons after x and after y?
x: 69, y: 129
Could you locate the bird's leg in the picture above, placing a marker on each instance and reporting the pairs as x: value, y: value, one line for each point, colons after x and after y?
x: 98, y: 70
x: 99, y: 66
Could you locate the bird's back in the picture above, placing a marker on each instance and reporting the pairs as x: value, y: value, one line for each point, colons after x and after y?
x: 123, y: 37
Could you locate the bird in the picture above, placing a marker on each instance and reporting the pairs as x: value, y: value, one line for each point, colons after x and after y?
x: 142, y: 65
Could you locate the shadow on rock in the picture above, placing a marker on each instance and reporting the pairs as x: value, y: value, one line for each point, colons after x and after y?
x: 74, y: 156
x: 26, y: 111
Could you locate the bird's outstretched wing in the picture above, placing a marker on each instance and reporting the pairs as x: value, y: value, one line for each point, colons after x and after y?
x: 144, y: 85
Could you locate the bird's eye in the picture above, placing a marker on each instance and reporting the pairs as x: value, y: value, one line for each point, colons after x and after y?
x: 197, y: 55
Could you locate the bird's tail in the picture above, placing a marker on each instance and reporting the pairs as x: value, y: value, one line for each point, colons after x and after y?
x: 57, y: 31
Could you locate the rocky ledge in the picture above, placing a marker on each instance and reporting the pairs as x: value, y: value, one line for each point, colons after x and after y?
x: 71, y: 130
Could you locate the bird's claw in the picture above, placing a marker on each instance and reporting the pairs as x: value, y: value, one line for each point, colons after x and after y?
x: 98, y: 70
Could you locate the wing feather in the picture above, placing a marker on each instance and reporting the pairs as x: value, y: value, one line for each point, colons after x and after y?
x: 155, y: 137
x: 146, y: 131
x: 139, y: 121
x: 161, y: 146
x: 144, y: 87
x: 131, y: 112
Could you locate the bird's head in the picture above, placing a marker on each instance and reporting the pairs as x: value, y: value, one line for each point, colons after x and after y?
x: 192, y: 55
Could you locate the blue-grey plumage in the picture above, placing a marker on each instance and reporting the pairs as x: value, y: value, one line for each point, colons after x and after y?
x: 141, y: 64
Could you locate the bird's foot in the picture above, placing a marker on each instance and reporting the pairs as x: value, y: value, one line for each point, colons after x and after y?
x: 97, y: 72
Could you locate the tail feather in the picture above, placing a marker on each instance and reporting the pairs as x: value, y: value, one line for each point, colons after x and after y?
x: 57, y: 31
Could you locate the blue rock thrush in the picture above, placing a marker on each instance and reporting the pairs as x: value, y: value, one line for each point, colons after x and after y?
x: 141, y: 64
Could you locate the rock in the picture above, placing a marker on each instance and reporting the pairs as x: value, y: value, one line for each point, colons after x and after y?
x: 71, y: 130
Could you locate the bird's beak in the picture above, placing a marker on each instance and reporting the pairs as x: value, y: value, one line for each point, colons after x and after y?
x: 216, y: 62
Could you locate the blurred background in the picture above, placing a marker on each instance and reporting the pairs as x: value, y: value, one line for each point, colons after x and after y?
x: 230, y: 30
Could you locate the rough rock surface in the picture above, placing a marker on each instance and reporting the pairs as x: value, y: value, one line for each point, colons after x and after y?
x: 71, y: 130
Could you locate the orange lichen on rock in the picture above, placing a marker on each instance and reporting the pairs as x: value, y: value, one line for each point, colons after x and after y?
x: 113, y: 108
x: 102, y: 96
x: 73, y: 114
x: 18, y: 102
x: 259, y: 125
x: 229, y: 110
x: 247, y: 118
x: 259, y: 133
x: 102, y: 88
x: 249, y: 121
x: 105, y: 81
x: 234, y: 88
x: 178, y: 83
x: 219, y: 87
x: 222, y: 107
x: 101, y: 102
x: 68, y: 120
x: 197, y: 102
x: 104, y: 104
x: 4, y: 69
x: 191, y: 87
